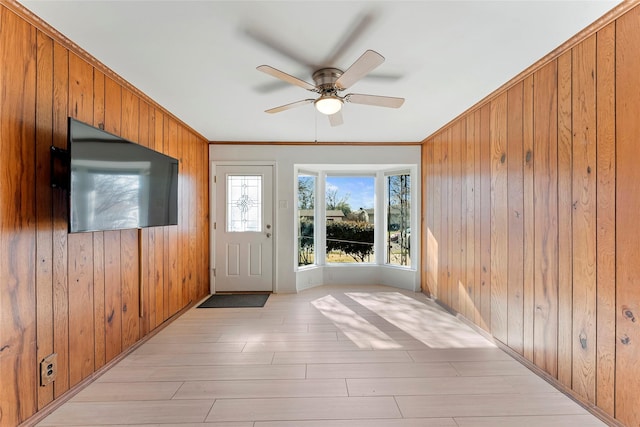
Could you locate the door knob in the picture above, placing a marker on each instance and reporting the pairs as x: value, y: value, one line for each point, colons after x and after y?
x: 268, y: 234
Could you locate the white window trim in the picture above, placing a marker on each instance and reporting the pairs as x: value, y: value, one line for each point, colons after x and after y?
x: 380, y: 172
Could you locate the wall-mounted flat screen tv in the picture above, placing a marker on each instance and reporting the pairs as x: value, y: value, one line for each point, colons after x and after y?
x: 115, y: 184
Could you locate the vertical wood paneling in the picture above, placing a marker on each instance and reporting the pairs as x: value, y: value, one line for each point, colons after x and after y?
x: 477, y: 247
x: 129, y: 238
x: 175, y: 285
x: 112, y: 250
x: 499, y: 217
x: 605, y: 219
x: 98, y: 300
x: 627, y: 224
x: 546, y: 219
x: 469, y: 216
x: 515, y: 211
x: 80, y: 276
x: 144, y: 322
x: 44, y: 200
x: 113, y: 297
x: 445, y: 219
x: 573, y: 280
x: 426, y: 156
x: 584, y: 219
x: 485, y: 216
x: 528, y: 299
x: 60, y: 225
x: 98, y: 239
x: 129, y: 276
x: 457, y: 259
x: 61, y: 293
x: 17, y: 219
x: 81, y: 336
x: 436, y: 237
x: 565, y: 153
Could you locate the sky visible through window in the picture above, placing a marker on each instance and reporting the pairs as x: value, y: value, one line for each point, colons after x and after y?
x: 359, y: 189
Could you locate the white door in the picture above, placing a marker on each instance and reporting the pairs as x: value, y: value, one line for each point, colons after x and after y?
x: 243, y: 259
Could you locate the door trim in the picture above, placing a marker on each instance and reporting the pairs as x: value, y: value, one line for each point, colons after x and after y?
x: 213, y: 220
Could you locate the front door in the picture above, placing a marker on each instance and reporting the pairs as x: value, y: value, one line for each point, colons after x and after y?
x: 243, y: 259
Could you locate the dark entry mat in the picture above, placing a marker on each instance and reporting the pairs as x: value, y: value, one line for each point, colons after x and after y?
x: 235, y: 300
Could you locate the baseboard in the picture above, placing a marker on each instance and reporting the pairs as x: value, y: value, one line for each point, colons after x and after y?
x: 56, y: 403
x: 594, y: 410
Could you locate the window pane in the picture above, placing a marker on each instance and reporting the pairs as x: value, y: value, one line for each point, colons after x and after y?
x: 244, y: 203
x: 399, y: 219
x: 306, y: 204
x: 350, y: 218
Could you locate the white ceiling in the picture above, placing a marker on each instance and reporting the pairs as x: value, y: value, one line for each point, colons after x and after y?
x: 198, y: 58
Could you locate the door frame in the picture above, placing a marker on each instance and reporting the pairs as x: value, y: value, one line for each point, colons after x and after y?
x: 213, y: 220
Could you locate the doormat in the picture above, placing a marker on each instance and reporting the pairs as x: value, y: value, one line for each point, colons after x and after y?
x: 235, y: 300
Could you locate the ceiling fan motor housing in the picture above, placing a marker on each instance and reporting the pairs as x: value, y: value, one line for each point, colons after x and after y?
x: 325, y: 80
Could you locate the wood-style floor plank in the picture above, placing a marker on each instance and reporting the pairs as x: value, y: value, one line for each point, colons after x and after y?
x: 295, y: 363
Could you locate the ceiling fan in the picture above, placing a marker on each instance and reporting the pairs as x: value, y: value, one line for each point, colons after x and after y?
x: 329, y: 82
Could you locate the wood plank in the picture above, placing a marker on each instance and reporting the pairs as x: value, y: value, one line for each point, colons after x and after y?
x: 565, y: 282
x: 606, y: 220
x: 129, y: 238
x: 436, y: 200
x: 203, y: 223
x: 485, y: 216
x: 477, y: 249
x: 628, y: 228
x: 18, y: 47
x: 445, y: 219
x: 457, y: 255
x: 515, y: 211
x: 80, y: 89
x: 80, y: 245
x: 60, y: 224
x: 112, y: 262
x: 426, y: 157
x: 174, y: 283
x: 98, y: 239
x: 113, y: 297
x: 528, y: 300
x: 168, y: 259
x: 159, y: 274
x: 98, y: 300
x: 81, y: 335
x: 469, y: 218
x: 145, y: 303
x: 130, y: 290
x: 546, y: 219
x: 499, y: 217
x: 44, y: 203
x: 584, y: 219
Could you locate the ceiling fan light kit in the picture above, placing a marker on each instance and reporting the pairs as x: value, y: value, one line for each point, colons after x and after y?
x: 329, y: 82
x: 328, y: 104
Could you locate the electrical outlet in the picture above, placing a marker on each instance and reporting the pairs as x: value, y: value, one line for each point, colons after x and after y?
x: 48, y: 369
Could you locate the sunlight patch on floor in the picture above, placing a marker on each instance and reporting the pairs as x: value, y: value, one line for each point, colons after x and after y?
x: 356, y: 328
x: 424, y: 323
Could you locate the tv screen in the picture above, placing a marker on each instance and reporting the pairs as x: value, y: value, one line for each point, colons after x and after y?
x: 116, y: 184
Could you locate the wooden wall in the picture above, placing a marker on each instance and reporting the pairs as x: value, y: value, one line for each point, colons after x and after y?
x: 531, y: 217
x: 79, y: 295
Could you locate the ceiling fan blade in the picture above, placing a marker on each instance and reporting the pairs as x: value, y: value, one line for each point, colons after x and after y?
x: 286, y: 77
x: 378, y: 101
x: 359, y: 25
x: 289, y: 106
x: 363, y: 65
x: 336, y: 119
x: 264, y: 39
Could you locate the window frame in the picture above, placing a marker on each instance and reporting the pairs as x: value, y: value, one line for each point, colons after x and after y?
x: 380, y: 172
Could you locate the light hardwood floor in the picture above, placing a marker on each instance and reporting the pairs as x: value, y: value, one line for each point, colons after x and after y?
x: 330, y: 356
